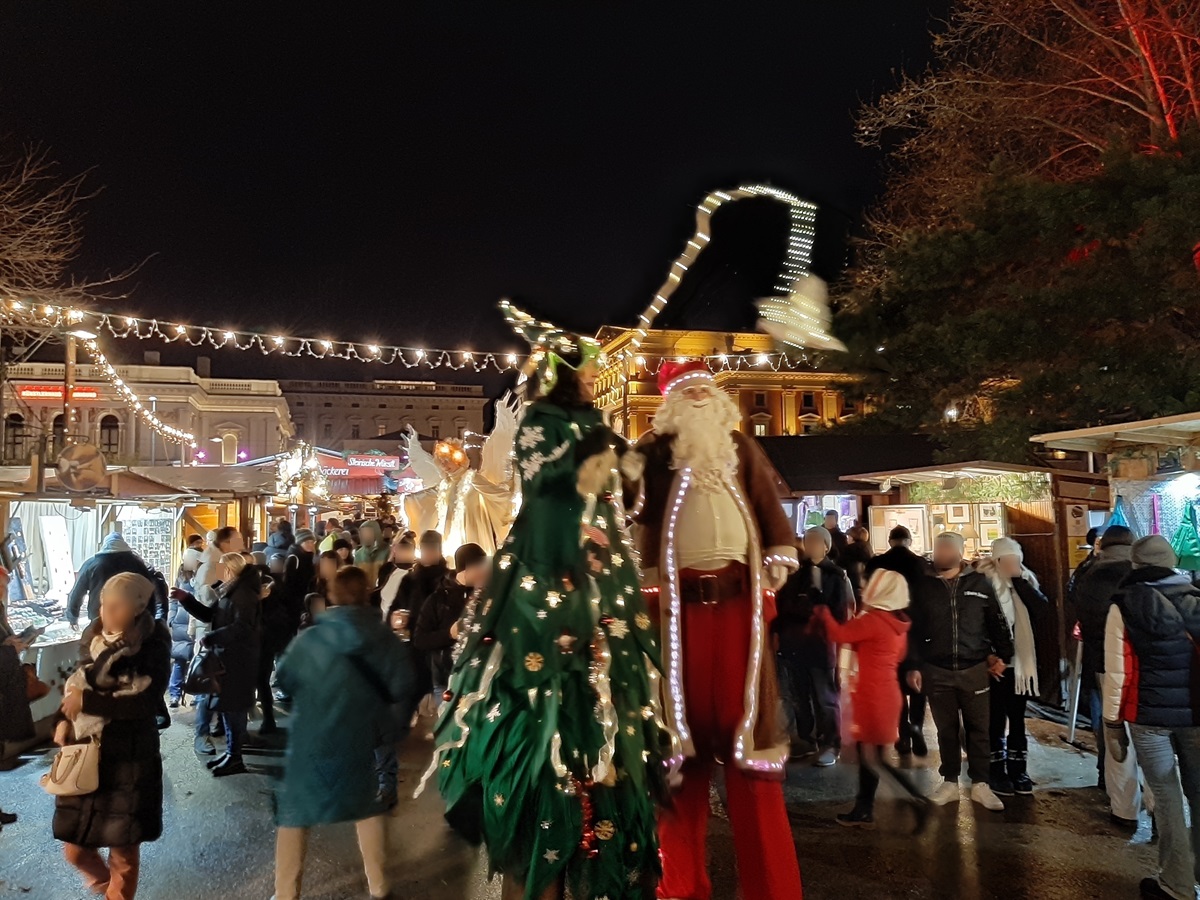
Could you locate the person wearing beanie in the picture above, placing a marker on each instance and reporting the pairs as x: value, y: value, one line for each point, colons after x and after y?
x: 1095, y: 593
x: 114, y: 556
x: 1026, y: 610
x: 114, y: 695
x: 879, y: 635
x: 805, y: 659
x: 1150, y: 696
x: 958, y: 644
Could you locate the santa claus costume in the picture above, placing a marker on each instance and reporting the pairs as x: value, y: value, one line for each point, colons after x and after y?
x: 714, y: 540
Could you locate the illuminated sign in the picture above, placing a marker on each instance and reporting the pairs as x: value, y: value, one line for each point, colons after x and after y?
x: 55, y: 392
x: 370, y: 461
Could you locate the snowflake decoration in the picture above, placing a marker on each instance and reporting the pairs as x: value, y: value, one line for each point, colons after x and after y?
x: 493, y: 713
x: 534, y: 662
x: 498, y: 799
x: 550, y: 856
x: 531, y: 436
x: 618, y: 628
x: 642, y: 621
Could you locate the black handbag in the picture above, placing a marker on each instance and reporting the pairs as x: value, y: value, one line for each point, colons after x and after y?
x: 204, y: 673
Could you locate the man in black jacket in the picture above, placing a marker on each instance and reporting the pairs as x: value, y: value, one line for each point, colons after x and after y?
x: 900, y: 558
x: 426, y: 575
x: 1095, y: 593
x: 959, y: 637
x: 115, y: 556
x: 805, y: 660
x: 436, y: 630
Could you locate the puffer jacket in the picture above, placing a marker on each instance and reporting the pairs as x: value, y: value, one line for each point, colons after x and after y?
x: 957, y: 623
x: 179, y: 620
x: 1150, y: 651
x: 128, y: 807
x: 1094, y: 597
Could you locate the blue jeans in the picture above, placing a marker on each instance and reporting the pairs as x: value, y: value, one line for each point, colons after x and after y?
x: 1178, y: 847
x: 387, y: 769
x: 203, y: 716
x: 175, y: 688
x: 235, y: 732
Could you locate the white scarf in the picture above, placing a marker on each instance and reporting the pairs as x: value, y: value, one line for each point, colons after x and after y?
x: 1025, y: 653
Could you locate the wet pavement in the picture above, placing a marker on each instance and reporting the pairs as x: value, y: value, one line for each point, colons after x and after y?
x: 218, y: 840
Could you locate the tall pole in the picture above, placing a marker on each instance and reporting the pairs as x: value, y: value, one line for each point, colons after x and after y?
x: 153, y: 435
x: 68, y: 389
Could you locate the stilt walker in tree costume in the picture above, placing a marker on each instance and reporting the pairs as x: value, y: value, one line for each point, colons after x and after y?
x: 552, y: 750
x: 713, y: 539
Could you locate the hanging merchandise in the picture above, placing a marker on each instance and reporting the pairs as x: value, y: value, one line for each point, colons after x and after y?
x: 1186, y: 542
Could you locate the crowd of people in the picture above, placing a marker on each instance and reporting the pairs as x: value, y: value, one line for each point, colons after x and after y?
x: 553, y: 746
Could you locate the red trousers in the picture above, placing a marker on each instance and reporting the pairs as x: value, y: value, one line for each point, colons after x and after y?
x: 716, y: 646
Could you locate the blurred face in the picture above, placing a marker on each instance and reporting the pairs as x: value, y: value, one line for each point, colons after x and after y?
x: 235, y: 544
x: 431, y: 554
x: 403, y: 553
x: 116, y: 612
x: 476, y: 576
x: 587, y: 381
x: 308, y: 546
x: 814, y: 547
x: 831, y: 521
x: 1009, y: 566
x: 277, y: 566
x: 316, y: 606
x: 327, y: 568
x: 946, y: 556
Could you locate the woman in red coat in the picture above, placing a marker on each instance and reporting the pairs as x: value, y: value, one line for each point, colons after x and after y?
x: 880, y: 637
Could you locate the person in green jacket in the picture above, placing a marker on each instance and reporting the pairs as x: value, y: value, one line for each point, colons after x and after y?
x: 373, y: 553
x: 347, y: 675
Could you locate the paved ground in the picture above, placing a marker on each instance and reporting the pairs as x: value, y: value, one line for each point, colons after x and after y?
x: 1058, y: 845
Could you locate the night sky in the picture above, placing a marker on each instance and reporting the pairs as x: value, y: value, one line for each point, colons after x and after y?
x: 308, y: 169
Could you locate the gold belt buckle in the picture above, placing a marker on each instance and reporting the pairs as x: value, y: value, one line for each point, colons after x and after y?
x: 710, y: 590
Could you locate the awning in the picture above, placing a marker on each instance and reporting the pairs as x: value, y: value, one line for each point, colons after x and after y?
x: 1169, y: 431
x: 938, y: 474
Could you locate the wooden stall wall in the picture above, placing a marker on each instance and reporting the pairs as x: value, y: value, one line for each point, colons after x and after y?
x: 1032, y: 525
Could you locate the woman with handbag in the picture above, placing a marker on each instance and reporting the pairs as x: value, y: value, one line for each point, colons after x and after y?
x: 124, y: 665
x: 16, y: 721
x: 234, y: 635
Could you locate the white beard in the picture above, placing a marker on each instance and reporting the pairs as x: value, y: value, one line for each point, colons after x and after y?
x: 703, y: 436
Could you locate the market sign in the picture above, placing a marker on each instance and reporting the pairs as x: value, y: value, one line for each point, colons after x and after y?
x: 357, y: 462
x: 54, y: 392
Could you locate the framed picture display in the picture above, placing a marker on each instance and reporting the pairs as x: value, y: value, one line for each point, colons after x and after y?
x: 885, y: 518
x: 990, y: 531
x: 990, y: 512
x: 958, y: 513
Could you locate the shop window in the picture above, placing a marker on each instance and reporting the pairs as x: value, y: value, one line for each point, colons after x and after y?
x: 110, y: 436
x: 14, y: 437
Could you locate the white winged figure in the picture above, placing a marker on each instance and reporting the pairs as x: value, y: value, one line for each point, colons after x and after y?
x: 801, y: 319
x: 462, y: 504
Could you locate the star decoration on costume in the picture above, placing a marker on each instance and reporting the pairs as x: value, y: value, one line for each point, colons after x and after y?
x: 476, y: 628
x: 550, y: 856
x: 630, y: 730
x: 546, y: 825
x: 505, y: 562
x: 634, y: 877
x: 618, y: 628
x: 542, y: 614
x: 493, y: 713
x: 642, y: 621
x: 498, y: 799
x: 629, y: 589
x: 534, y: 662
x: 601, y: 523
x: 618, y: 560
x: 476, y: 662
x: 528, y: 582
x: 566, y: 643
x: 647, y: 712
x: 553, y: 598
x: 445, y: 763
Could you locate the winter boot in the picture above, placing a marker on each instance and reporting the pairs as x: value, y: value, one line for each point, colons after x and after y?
x: 859, y: 817
x: 999, y: 780
x: 1020, y: 779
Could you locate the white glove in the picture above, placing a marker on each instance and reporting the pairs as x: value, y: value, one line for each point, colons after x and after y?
x: 633, y: 465
x: 777, y: 576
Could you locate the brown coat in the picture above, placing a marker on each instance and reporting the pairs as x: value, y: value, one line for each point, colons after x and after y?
x: 774, y: 532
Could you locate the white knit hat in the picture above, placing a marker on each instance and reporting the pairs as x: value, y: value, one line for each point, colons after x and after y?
x: 1007, y: 547
x: 886, y: 590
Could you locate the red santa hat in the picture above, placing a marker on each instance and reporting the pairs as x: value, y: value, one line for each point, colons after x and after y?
x: 691, y: 372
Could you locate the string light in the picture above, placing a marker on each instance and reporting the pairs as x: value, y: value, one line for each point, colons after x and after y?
x: 168, y: 432
x: 16, y: 313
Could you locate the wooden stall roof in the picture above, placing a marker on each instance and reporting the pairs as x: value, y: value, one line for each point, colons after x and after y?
x: 214, y: 481
x: 1169, y: 431
x: 975, y: 469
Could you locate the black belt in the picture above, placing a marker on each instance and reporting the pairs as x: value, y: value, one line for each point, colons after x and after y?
x: 729, y: 583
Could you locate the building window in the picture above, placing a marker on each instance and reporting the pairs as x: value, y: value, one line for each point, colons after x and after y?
x: 807, y: 429
x: 110, y: 436
x: 849, y: 408
x: 229, y: 449
x: 435, y: 406
x: 327, y: 403
x: 355, y: 432
x: 408, y: 406
x: 14, y: 436
x: 383, y: 406
x: 760, y: 429
x: 381, y: 429
x: 808, y: 400
x: 354, y: 406
x: 435, y: 431
x: 327, y: 431
x: 299, y: 402
x: 462, y: 407
x: 760, y: 399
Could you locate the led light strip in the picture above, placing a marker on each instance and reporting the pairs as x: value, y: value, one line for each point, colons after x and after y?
x: 168, y: 432
x: 798, y: 256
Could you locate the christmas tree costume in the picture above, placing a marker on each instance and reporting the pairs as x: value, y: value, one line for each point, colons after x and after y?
x: 551, y: 748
